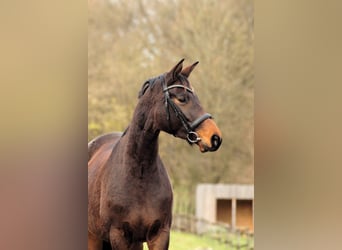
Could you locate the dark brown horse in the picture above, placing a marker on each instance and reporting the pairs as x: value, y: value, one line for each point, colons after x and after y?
x: 129, y: 192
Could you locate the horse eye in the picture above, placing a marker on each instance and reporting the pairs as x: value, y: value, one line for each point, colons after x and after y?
x: 182, y: 99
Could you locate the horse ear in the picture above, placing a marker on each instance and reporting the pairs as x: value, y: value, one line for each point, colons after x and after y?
x: 187, y: 71
x: 176, y: 70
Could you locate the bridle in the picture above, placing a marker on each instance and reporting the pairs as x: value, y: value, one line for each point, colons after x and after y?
x: 192, y: 136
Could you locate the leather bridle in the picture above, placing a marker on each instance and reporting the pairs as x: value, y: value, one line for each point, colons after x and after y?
x: 190, y: 127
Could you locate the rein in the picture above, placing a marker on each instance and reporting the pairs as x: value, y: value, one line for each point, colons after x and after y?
x: 192, y: 136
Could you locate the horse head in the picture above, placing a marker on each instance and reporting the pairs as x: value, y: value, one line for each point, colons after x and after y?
x: 176, y: 108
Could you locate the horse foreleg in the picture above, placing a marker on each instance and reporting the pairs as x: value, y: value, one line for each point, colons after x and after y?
x: 118, y: 240
x: 160, y: 241
x: 93, y: 242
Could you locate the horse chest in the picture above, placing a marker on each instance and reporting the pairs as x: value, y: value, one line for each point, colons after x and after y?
x: 141, y: 201
x: 141, y: 218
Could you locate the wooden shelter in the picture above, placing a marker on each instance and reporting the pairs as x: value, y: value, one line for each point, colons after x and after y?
x: 232, y: 204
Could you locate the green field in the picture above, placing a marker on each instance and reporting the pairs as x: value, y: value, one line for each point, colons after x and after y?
x: 187, y: 241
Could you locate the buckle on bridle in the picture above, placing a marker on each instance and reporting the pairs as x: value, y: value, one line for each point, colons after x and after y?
x: 193, y: 137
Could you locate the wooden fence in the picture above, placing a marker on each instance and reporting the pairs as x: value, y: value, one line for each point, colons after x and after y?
x: 234, y: 239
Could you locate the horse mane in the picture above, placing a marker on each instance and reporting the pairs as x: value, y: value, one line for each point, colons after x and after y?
x: 149, y: 83
x: 143, y: 89
x: 125, y: 131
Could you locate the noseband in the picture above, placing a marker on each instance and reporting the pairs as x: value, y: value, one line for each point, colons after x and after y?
x: 192, y: 136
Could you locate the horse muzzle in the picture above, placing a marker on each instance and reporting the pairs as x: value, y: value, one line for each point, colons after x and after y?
x: 210, y: 136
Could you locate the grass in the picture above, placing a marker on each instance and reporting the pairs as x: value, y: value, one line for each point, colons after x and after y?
x: 187, y: 241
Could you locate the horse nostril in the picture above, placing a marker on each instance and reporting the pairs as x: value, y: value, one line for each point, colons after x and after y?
x: 215, y: 142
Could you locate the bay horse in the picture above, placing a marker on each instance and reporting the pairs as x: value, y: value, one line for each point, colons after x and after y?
x: 129, y: 192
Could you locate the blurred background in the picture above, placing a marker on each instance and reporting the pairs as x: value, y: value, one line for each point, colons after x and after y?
x: 131, y: 41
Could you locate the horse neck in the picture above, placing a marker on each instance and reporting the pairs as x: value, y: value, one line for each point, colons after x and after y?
x: 141, y: 148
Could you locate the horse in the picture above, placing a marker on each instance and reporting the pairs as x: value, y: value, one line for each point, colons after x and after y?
x: 129, y: 191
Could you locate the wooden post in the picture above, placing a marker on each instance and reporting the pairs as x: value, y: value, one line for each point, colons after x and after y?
x: 233, y: 213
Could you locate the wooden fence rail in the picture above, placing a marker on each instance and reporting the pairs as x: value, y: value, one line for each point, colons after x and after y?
x: 234, y: 239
